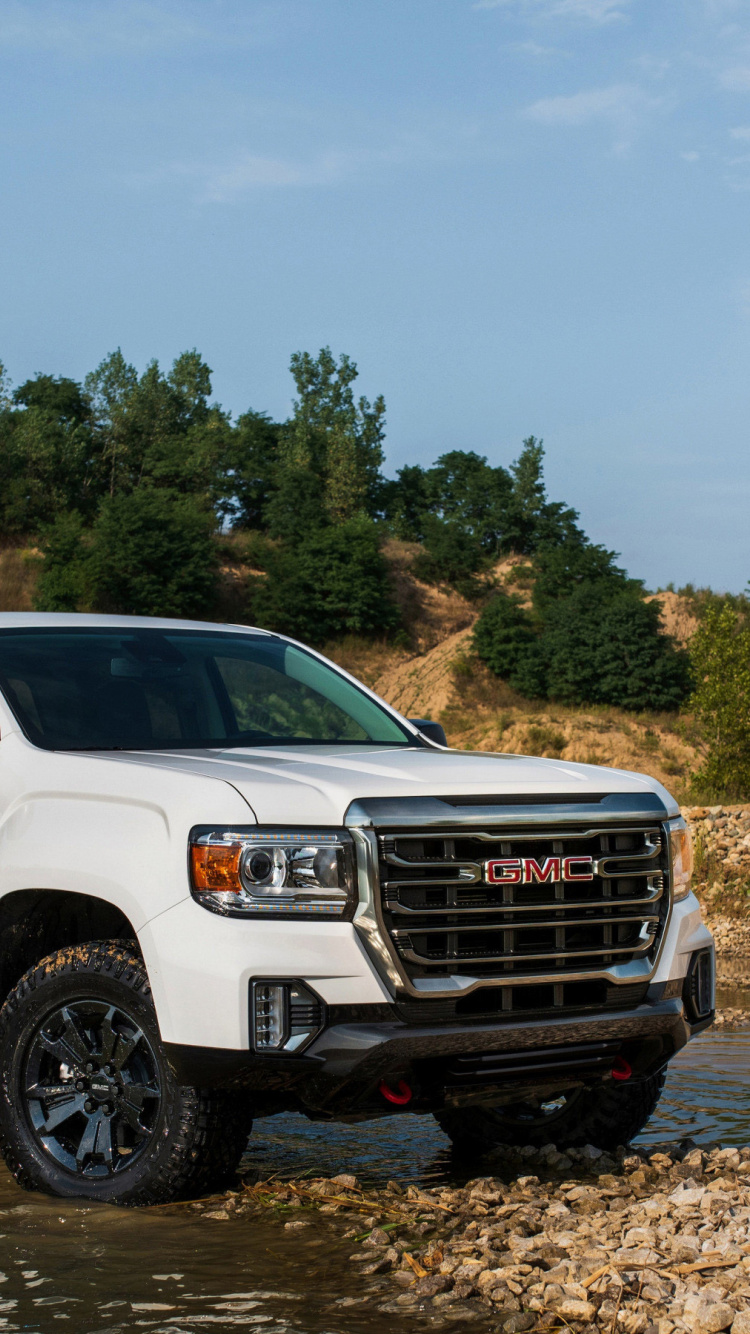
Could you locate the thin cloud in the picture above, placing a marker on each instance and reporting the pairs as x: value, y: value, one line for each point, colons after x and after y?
x: 247, y: 172
x: 252, y: 172
x: 92, y: 27
x: 591, y: 11
x: 740, y: 132
x: 736, y: 80
x: 620, y: 103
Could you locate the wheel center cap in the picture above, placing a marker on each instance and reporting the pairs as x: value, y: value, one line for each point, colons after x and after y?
x: 101, y: 1089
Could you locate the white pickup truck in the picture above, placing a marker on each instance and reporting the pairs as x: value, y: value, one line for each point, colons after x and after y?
x: 234, y: 882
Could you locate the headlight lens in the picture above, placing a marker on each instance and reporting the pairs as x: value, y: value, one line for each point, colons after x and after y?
x: 257, y: 872
x: 681, y: 858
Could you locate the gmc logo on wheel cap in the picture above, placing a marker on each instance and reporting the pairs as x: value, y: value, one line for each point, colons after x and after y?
x: 527, y: 870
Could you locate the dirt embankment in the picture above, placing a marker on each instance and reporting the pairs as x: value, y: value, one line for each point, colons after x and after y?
x: 442, y: 679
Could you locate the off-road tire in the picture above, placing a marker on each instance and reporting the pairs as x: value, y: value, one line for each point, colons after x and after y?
x: 605, y: 1117
x: 197, y: 1136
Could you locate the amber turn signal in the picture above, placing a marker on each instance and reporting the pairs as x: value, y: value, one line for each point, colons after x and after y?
x: 216, y: 866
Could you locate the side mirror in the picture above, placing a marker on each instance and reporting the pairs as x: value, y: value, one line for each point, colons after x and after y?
x: 433, y: 731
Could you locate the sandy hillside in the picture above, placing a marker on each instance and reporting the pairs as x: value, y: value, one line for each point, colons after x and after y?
x: 444, y: 680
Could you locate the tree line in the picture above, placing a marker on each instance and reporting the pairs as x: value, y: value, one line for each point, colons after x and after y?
x: 127, y: 480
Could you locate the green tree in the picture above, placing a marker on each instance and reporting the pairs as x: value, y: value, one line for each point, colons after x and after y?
x: 48, y: 454
x: 331, y: 449
x: 160, y: 430
x: 5, y: 389
x: 451, y: 555
x: 720, y: 654
x: 252, y: 460
x: 153, y: 554
x: 63, y: 583
x: 573, y: 564
x: 531, y: 520
x: 332, y: 583
x: 506, y: 639
x: 606, y: 647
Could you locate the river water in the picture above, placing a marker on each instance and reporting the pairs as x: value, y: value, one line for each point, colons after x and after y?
x: 104, y: 1270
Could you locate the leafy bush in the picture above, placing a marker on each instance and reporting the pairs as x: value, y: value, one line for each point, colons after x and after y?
x: 574, y: 564
x: 333, y: 582
x: 606, y: 647
x: 600, y: 645
x: 720, y: 653
x: 153, y: 555
x: 450, y: 555
x: 62, y: 583
x: 505, y: 638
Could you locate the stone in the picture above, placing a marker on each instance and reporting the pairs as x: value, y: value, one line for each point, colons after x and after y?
x: 518, y: 1321
x: 379, y: 1266
x: 346, y: 1181
x: 432, y: 1285
x: 378, y: 1237
x: 741, y: 1324
x: 464, y: 1288
x: 470, y: 1270
x: 707, y: 1317
x: 573, y: 1308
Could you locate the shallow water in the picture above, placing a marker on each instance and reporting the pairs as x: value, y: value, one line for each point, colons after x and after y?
x: 107, y: 1270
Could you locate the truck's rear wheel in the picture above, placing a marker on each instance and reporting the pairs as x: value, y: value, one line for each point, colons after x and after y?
x: 88, y: 1104
x: 605, y: 1116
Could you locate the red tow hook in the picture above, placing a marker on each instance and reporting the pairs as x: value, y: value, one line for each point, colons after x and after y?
x: 400, y: 1096
x: 621, y: 1069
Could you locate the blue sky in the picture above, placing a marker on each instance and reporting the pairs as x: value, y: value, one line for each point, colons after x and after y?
x: 518, y: 216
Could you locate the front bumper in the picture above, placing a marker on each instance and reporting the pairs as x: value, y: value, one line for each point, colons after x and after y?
x: 340, y: 1075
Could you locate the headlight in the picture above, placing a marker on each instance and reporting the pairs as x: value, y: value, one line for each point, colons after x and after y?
x: 681, y: 858
x: 256, y: 872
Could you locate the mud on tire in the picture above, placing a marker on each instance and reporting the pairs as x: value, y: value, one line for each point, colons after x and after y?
x: 89, y: 1106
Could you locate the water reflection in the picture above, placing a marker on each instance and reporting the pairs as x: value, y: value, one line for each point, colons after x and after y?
x: 707, y: 1094
x: 109, y: 1270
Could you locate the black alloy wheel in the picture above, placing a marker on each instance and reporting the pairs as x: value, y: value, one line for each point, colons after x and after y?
x: 90, y: 1107
x: 92, y: 1088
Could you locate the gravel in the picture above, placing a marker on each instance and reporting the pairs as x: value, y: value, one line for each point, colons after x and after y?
x: 644, y: 1242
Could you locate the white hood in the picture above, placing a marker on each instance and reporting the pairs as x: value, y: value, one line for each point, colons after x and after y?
x: 316, y: 784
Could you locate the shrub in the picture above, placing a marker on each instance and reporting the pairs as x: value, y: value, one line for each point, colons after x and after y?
x: 505, y: 638
x: 153, y: 554
x: 600, y: 645
x: 332, y: 583
x: 720, y: 653
x: 450, y: 555
x: 63, y: 579
x: 608, y: 649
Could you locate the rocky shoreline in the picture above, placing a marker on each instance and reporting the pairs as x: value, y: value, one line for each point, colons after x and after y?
x: 647, y: 1242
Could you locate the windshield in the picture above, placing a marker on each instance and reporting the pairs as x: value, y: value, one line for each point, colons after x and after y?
x: 107, y: 689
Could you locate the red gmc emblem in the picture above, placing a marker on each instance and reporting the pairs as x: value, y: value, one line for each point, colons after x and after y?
x: 527, y: 870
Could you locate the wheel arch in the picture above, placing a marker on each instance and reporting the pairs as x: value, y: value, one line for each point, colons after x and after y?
x: 36, y: 922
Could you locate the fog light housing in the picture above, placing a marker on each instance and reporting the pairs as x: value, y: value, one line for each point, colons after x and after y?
x: 285, y: 1016
x: 698, y: 992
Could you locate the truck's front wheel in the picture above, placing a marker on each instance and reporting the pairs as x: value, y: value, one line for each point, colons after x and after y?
x: 605, y: 1116
x: 88, y: 1104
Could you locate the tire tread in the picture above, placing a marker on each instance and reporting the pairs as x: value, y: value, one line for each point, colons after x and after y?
x: 209, y: 1128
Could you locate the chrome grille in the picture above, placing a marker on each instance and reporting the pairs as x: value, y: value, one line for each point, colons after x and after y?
x: 443, y: 917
